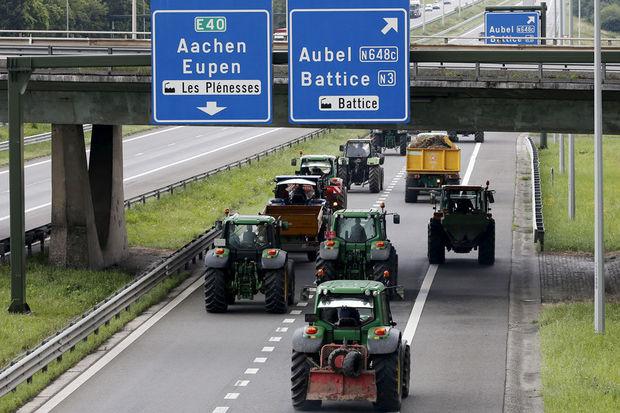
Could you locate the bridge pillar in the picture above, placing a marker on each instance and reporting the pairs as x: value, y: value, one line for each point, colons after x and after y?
x: 88, y: 222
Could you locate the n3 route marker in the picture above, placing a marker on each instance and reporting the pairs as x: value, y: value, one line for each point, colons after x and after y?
x: 523, y: 27
x: 348, y: 61
x: 212, y: 62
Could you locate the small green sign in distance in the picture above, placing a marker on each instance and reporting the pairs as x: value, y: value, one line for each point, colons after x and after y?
x: 210, y: 24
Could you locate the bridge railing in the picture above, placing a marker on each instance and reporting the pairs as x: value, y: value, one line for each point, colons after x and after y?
x: 538, y: 222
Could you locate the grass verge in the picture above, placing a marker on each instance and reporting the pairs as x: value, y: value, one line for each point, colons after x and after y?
x: 41, y: 149
x: 175, y: 220
x: 580, y: 370
x: 26, y: 392
x: 563, y: 234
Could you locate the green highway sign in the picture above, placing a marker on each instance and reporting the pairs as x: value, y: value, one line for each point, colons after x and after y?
x: 210, y: 24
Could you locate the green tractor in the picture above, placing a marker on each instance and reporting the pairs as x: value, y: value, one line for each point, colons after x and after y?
x: 461, y: 223
x: 454, y: 135
x: 248, y: 260
x: 357, y: 248
x: 391, y: 139
x: 351, y: 350
x: 331, y: 186
x: 361, y: 164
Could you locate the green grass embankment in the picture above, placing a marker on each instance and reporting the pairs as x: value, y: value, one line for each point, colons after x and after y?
x: 562, y: 234
x: 580, y: 370
x: 175, y: 220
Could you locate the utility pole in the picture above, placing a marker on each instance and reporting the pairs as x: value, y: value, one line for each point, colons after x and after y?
x: 599, y: 241
x: 67, y: 18
x: 562, y: 167
x: 543, y: 140
x: 571, y: 176
x: 562, y: 29
x: 579, y: 20
x: 134, y: 19
x: 570, y: 21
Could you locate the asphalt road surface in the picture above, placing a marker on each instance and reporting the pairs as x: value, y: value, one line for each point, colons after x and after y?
x: 193, y: 361
x: 151, y: 160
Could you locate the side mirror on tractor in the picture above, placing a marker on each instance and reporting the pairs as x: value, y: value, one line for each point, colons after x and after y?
x: 294, y: 162
x: 381, y: 159
x: 311, y: 318
x: 219, y: 225
x: 341, y: 148
x: 396, y: 219
x: 490, y: 197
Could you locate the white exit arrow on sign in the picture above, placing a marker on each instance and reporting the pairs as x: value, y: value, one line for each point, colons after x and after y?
x: 531, y: 19
x: 392, y: 24
x: 211, y: 108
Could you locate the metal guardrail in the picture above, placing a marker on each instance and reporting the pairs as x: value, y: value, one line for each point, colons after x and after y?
x: 538, y: 224
x: 42, y: 137
x: 23, y: 368
x: 53, y: 349
x: 40, y: 234
x: 49, y: 50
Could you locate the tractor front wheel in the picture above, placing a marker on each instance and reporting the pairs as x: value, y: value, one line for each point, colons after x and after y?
x: 479, y: 137
x: 388, y: 375
x: 290, y: 277
x: 486, y: 249
x: 374, y: 179
x: 300, y: 376
x: 436, y: 248
x: 276, y: 300
x: 329, y: 271
x: 216, y: 297
x: 406, y: 372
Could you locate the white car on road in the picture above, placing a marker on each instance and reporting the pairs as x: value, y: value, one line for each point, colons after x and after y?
x: 428, y: 7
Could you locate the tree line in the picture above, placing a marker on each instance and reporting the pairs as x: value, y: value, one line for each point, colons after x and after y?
x: 83, y: 14
x: 610, y: 13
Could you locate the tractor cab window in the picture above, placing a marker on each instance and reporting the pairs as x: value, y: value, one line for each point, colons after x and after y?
x: 355, y: 229
x: 463, y: 202
x: 316, y: 168
x: 346, y: 311
x: 357, y: 150
x: 248, y: 236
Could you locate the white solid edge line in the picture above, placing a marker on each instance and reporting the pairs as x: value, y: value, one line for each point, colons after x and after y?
x: 191, y: 158
x: 28, y: 210
x: 472, y: 163
x: 119, y: 348
x: 418, y: 305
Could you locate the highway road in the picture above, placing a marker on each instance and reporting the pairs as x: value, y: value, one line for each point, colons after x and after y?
x: 151, y: 160
x: 192, y: 361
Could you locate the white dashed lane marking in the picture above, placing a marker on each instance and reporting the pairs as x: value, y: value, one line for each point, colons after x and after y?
x: 275, y: 339
x: 242, y: 383
x: 302, y: 304
x: 267, y: 349
x: 231, y: 396
x: 295, y: 312
x: 288, y: 321
x: 251, y: 371
x: 260, y: 360
x: 221, y: 409
x: 281, y: 330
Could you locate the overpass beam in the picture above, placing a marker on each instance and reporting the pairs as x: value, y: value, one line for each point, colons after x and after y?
x: 88, y: 224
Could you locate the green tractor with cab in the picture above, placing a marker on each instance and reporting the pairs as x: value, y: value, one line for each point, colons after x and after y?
x: 351, y: 349
x: 357, y: 248
x: 462, y: 223
x: 391, y: 139
x: 331, y: 187
x: 248, y: 260
x: 360, y: 164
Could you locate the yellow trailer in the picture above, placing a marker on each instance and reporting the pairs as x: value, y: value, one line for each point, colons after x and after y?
x: 433, y: 160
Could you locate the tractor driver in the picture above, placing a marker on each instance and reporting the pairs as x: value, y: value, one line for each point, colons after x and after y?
x: 358, y: 233
x: 298, y: 195
x: 464, y: 206
x: 348, y: 317
x: 248, y: 238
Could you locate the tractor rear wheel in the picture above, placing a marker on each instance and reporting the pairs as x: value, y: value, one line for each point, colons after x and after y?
x: 388, y: 375
x: 486, y: 249
x: 311, y: 256
x: 436, y: 247
x: 290, y: 277
x: 382, y: 178
x: 276, y: 300
x: 300, y: 376
x: 411, y: 195
x: 479, y: 137
x: 216, y: 298
x: 374, y: 179
x: 343, y: 174
x: 406, y: 372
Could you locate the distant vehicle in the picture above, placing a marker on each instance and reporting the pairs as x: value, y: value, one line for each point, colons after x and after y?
x: 415, y: 9
x: 436, y: 6
x: 428, y: 7
x: 280, y: 35
x: 447, y: 2
x: 454, y: 135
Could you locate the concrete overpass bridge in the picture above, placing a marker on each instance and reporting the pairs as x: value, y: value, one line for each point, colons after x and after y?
x: 472, y: 87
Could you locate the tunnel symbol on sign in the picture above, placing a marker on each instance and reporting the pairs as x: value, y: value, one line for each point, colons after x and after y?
x: 168, y: 88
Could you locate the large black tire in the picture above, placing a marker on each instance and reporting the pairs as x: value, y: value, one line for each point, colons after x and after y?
x: 329, y: 269
x: 343, y: 174
x: 353, y: 364
x: 406, y: 372
x: 300, y: 374
x: 216, y: 298
x: 436, y: 247
x: 388, y: 375
x: 275, y: 283
x: 479, y: 137
x: 374, y: 179
x: 403, y: 145
x: 311, y: 255
x: 290, y: 266
x: 411, y: 195
x: 382, y: 178
x: 486, y: 249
